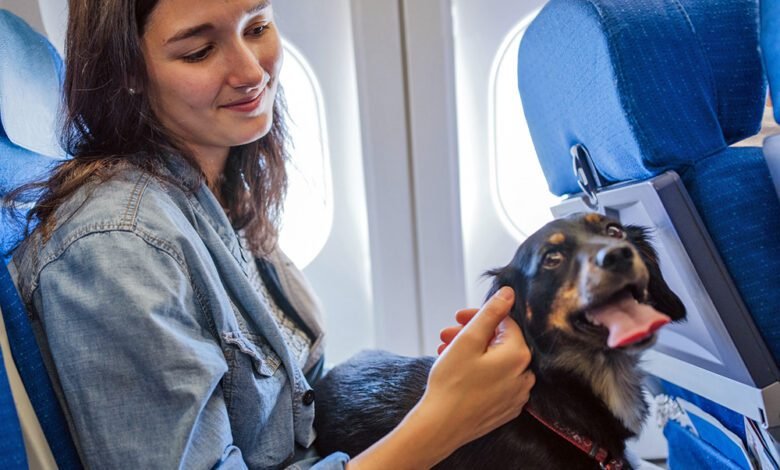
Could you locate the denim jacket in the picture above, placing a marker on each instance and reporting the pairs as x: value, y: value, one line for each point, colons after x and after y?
x: 134, y: 298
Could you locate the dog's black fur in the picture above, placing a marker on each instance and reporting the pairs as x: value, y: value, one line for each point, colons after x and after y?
x: 582, y: 384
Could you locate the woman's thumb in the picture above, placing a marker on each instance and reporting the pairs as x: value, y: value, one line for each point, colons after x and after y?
x: 482, y: 328
x: 508, y: 331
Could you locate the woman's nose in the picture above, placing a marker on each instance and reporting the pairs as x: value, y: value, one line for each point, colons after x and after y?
x: 244, y: 68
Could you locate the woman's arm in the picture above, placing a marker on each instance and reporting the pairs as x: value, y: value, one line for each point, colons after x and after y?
x: 480, y: 382
x: 139, y: 368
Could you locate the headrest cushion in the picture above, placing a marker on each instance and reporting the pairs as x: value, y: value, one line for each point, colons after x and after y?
x: 30, y: 84
x: 770, y: 49
x: 629, y: 80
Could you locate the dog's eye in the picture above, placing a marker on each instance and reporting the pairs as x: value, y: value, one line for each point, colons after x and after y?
x: 552, y: 259
x: 615, y: 232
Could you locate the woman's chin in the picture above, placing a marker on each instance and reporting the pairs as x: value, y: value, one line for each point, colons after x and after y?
x: 252, y: 133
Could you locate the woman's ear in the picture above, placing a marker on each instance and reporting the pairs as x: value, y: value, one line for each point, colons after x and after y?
x: 660, y: 294
x: 133, y: 86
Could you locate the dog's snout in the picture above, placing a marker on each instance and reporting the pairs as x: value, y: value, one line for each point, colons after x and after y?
x: 615, y: 258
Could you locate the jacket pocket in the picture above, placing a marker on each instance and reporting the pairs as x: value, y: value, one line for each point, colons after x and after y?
x: 264, y: 359
x: 258, y: 400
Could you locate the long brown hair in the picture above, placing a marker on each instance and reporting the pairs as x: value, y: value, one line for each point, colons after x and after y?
x: 105, y: 124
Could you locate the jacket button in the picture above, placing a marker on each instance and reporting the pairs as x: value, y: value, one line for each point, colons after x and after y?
x: 308, y: 397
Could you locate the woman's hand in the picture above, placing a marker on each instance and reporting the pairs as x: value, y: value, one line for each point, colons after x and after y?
x: 448, y: 334
x: 479, y: 382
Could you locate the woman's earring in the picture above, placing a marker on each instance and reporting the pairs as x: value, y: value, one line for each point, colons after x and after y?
x: 243, y: 180
x: 132, y: 91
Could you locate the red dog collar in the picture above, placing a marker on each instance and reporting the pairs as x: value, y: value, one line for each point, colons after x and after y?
x: 583, y: 443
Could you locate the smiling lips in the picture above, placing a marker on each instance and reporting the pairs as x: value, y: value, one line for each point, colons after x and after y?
x: 246, y: 105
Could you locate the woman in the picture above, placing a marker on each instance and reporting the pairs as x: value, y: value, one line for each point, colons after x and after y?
x: 179, y: 334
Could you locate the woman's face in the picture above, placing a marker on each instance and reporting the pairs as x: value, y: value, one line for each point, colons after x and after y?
x: 213, y: 71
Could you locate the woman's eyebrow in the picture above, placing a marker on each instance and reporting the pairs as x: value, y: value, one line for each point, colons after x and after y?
x: 190, y: 32
x: 207, y: 27
x: 260, y: 6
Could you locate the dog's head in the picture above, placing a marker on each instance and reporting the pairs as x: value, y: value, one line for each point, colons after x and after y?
x: 588, y: 282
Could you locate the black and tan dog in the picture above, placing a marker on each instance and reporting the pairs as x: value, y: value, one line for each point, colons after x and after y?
x: 589, y: 293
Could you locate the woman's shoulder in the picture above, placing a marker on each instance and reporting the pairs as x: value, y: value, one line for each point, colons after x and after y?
x: 131, y: 200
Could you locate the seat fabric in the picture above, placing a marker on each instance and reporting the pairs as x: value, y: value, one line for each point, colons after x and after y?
x: 30, y: 83
x: 655, y: 85
x: 735, y: 197
x: 635, y: 82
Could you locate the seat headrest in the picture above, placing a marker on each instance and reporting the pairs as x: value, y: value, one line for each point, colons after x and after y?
x: 30, y: 84
x: 728, y: 31
x: 770, y: 49
x: 646, y: 86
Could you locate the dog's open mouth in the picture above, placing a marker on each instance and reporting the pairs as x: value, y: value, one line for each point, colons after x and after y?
x: 628, y: 321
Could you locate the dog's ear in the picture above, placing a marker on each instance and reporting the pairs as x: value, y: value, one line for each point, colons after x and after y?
x: 514, y: 278
x: 510, y: 275
x: 661, y: 296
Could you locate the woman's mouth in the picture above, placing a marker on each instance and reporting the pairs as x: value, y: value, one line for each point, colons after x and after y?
x: 246, y: 105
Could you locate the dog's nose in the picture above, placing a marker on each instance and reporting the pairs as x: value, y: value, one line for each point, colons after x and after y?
x: 615, y: 258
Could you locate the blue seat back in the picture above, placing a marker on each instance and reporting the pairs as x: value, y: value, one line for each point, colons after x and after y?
x: 636, y: 83
x: 12, y: 453
x: 30, y: 84
x: 655, y: 85
x: 770, y: 49
x: 651, y: 86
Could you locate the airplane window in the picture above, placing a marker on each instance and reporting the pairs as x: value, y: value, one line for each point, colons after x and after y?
x: 308, y: 208
x: 519, y: 188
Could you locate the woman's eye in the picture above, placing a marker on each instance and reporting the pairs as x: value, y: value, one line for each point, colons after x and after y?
x: 199, y: 55
x: 257, y: 30
x: 615, y: 232
x: 552, y: 259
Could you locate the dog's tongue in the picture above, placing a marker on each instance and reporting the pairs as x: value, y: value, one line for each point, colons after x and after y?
x: 628, y: 321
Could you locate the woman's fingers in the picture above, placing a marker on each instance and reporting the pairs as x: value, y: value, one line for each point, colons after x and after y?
x: 448, y: 334
x: 481, y: 372
x: 505, y: 331
x: 480, y: 330
x: 465, y: 315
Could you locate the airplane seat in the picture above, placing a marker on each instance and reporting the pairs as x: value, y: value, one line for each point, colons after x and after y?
x: 633, y: 107
x: 770, y: 51
x: 30, y: 86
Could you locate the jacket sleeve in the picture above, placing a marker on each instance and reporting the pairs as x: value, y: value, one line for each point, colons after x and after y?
x: 139, y: 367
x: 334, y: 461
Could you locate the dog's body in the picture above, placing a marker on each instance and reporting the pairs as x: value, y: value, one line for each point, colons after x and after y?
x: 588, y: 292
